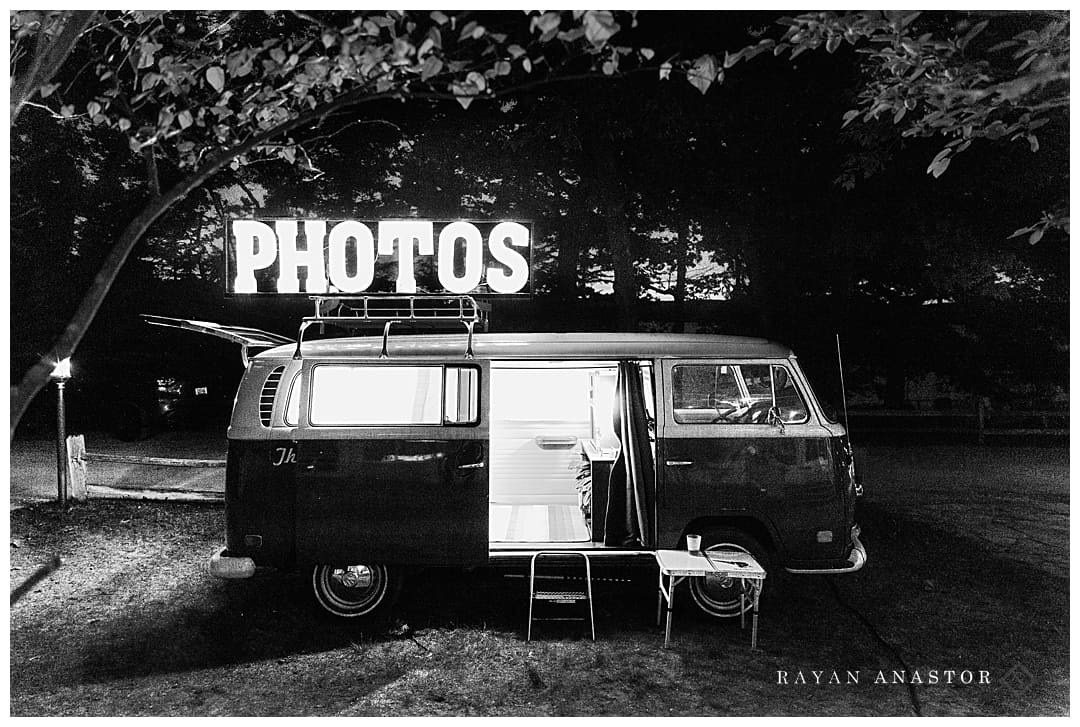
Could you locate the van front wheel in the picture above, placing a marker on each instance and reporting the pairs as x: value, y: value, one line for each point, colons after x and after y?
x: 356, y: 590
x: 719, y: 597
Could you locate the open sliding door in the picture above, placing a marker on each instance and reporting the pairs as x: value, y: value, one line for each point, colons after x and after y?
x: 392, y: 462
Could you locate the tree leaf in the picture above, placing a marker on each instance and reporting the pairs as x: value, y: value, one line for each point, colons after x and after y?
x: 547, y: 23
x: 599, y: 26
x: 432, y: 66
x: 147, y: 51
x: 702, y: 73
x: 184, y: 118
x: 467, y: 31
x: 978, y: 28
x: 48, y: 88
x: 939, y: 165
x: 477, y: 80
x: 1036, y: 236
x: 647, y: 53
x: 439, y: 17
x: 215, y: 76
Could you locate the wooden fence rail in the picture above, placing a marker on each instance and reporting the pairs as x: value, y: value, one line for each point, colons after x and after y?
x: 81, y: 489
x: 983, y: 422
x: 154, y: 461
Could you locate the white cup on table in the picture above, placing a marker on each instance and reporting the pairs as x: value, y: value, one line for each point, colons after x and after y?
x: 693, y: 543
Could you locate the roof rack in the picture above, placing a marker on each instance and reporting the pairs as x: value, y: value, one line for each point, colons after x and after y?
x: 366, y: 311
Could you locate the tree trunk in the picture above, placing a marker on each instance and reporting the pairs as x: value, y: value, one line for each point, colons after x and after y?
x: 681, y: 253
x: 759, y: 281
x: 566, y: 270
x: 38, y: 375
x: 612, y: 197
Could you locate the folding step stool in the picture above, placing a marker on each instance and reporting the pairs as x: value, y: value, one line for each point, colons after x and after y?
x: 563, y: 596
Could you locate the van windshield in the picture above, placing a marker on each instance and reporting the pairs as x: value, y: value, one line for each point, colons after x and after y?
x: 828, y: 409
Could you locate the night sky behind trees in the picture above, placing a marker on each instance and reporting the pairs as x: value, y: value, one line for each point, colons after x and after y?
x: 749, y: 209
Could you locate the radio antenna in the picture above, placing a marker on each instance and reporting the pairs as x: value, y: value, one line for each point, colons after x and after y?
x: 843, y: 390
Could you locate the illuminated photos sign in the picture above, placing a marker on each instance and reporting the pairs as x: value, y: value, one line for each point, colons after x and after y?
x: 388, y: 256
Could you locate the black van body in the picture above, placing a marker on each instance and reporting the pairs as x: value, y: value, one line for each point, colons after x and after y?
x: 360, y: 459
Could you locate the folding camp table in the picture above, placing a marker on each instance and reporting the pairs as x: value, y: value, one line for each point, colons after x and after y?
x: 678, y: 565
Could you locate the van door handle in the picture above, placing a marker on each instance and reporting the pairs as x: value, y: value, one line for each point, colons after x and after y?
x: 678, y: 463
x: 472, y: 466
x: 556, y: 442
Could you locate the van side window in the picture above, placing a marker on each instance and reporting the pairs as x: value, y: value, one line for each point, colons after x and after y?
x: 702, y: 392
x: 462, y: 400
x: 364, y: 395
x: 735, y: 394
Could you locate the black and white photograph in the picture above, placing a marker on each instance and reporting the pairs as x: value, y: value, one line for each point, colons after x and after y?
x: 539, y: 363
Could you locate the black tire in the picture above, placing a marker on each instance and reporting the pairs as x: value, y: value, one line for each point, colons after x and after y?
x: 719, y: 597
x: 357, y: 591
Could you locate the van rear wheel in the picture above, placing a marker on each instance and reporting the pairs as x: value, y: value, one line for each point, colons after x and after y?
x: 719, y: 597
x: 355, y: 591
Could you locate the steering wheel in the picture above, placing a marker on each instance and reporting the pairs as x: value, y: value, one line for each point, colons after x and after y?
x: 724, y: 413
x: 759, y: 412
x: 724, y: 409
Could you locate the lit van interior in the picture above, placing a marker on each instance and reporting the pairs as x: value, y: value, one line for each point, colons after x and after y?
x: 544, y: 417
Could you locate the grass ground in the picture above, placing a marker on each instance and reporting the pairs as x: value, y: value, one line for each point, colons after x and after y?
x: 132, y: 625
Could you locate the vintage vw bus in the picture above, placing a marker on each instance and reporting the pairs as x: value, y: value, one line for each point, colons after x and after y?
x: 360, y: 458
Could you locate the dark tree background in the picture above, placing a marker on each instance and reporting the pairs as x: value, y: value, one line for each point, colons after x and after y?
x: 750, y: 209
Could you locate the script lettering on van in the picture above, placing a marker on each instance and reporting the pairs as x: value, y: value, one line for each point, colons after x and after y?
x: 282, y: 455
x: 387, y: 256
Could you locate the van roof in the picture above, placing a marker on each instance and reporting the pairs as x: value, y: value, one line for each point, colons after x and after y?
x: 542, y: 345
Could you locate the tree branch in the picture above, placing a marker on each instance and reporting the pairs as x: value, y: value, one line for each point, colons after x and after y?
x: 38, y: 375
x: 48, y: 57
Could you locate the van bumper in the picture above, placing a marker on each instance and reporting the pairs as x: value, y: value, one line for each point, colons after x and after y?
x: 227, y: 566
x: 856, y: 560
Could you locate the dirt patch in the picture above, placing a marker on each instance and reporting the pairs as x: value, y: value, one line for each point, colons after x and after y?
x: 131, y: 624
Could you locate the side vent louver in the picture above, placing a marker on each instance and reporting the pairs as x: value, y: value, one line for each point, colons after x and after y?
x: 269, y: 391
